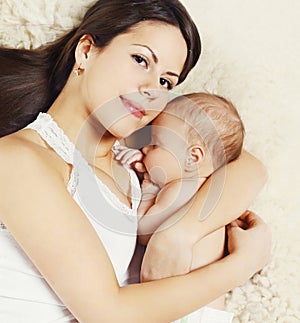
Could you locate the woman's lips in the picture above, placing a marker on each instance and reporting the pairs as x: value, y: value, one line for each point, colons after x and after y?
x: 133, y: 108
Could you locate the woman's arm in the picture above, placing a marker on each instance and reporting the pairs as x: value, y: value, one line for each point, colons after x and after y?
x: 63, y: 245
x: 222, y: 198
x: 231, y: 195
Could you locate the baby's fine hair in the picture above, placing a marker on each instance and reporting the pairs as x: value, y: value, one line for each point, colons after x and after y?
x: 212, y: 120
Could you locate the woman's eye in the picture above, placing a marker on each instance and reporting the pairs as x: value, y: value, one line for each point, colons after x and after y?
x: 140, y: 60
x: 165, y: 83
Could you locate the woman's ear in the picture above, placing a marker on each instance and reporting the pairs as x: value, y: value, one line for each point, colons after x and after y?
x: 83, y: 51
x: 194, y: 156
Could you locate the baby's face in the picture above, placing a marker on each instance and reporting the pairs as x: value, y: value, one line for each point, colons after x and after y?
x: 165, y: 156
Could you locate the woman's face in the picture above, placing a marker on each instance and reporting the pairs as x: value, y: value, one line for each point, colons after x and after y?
x: 126, y: 84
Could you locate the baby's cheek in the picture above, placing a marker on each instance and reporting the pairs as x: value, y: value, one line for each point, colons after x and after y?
x: 158, y: 175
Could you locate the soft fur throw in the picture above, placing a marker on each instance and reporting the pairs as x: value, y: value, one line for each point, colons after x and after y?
x: 251, y: 55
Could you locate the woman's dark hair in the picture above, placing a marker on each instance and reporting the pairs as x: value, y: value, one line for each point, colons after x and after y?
x: 31, y: 80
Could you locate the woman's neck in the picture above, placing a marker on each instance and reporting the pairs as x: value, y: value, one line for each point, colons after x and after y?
x: 87, y: 134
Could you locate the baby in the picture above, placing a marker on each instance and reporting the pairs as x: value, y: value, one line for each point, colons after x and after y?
x: 194, y: 135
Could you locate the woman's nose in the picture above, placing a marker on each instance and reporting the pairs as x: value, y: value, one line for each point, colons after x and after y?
x: 150, y: 88
x: 150, y: 93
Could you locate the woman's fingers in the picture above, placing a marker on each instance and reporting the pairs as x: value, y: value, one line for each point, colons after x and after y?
x: 238, y: 224
x: 233, y: 224
x: 249, y: 220
x: 250, y: 235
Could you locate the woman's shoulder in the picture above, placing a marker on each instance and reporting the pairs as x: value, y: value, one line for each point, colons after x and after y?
x: 29, y: 173
x: 26, y: 152
x: 16, y: 148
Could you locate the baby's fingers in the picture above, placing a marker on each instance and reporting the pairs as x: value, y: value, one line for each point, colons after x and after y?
x: 139, y: 167
x: 120, y: 154
x: 128, y: 156
x: 134, y: 156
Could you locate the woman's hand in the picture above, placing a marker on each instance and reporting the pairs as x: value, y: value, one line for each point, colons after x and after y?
x: 249, y: 238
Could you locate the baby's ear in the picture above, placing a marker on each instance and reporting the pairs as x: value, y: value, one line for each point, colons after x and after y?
x: 194, y: 156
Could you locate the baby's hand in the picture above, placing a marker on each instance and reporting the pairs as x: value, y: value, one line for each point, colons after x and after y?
x: 127, y: 155
x: 149, y: 189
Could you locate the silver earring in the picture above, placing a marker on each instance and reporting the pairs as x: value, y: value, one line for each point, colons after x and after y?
x: 76, y: 71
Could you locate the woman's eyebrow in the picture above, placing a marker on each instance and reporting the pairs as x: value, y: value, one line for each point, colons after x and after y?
x: 155, y: 59
x: 173, y: 74
x: 150, y: 50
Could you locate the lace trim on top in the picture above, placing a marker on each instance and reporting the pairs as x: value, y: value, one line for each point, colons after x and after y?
x: 54, y: 136
x: 61, y: 144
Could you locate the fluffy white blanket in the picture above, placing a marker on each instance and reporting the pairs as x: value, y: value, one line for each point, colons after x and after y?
x: 252, y: 56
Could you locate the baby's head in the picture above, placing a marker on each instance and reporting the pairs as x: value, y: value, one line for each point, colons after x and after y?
x: 211, y: 122
x: 194, y: 135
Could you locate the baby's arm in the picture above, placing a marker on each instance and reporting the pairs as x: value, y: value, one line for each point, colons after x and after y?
x: 168, y: 200
x: 131, y: 156
x: 149, y: 194
x: 154, y: 212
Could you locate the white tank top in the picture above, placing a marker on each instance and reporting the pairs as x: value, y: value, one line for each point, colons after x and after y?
x: 24, y: 294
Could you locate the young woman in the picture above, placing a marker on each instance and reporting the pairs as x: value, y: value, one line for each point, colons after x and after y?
x: 68, y: 210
